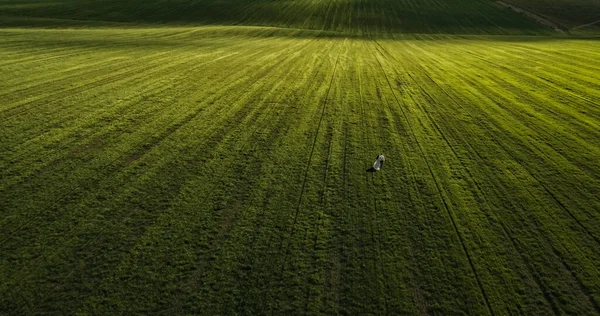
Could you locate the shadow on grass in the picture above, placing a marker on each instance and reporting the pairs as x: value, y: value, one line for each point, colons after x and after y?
x: 394, y: 17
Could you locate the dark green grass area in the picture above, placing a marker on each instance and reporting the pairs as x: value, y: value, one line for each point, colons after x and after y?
x: 222, y: 170
x: 571, y: 14
x: 210, y: 157
x: 347, y: 16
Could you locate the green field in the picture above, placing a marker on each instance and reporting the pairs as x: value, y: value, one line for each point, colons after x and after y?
x: 210, y: 157
x: 580, y: 15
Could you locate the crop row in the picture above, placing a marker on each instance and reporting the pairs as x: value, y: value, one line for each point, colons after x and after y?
x: 223, y: 169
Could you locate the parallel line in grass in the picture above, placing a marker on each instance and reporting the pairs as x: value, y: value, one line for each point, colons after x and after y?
x: 418, y: 104
x: 114, y: 50
x: 446, y: 207
x: 195, y: 67
x: 365, y: 136
x: 264, y: 116
x: 66, y: 52
x: 586, y: 62
x: 129, y: 79
x: 378, y: 191
x: 481, y: 191
x: 319, y: 223
x: 18, y: 156
x: 421, y: 104
x: 104, y: 82
x: 517, y: 55
x: 283, y: 216
x: 342, y: 249
x: 385, y: 198
x: 215, y: 245
x: 534, y: 177
x: 51, y: 54
x: 585, y: 169
x: 551, y: 194
x: 299, y: 204
x: 217, y: 121
x: 381, y: 200
x: 34, y: 83
x: 573, y: 275
x: 172, y: 49
x: 517, y: 74
x: 572, y: 70
x: 254, y: 236
x: 18, y: 108
x: 119, y: 157
x: 437, y: 127
x: 516, y: 113
x: 531, y: 193
x: 160, y: 66
x: 392, y: 136
x: 521, y: 117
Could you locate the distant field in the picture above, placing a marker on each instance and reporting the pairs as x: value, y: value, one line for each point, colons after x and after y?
x: 355, y: 17
x: 567, y: 12
x: 222, y: 169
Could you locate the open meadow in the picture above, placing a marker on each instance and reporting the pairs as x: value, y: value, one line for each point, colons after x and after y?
x: 210, y: 157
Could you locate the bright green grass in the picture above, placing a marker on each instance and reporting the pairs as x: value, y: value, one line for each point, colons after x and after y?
x: 221, y: 170
x: 210, y: 157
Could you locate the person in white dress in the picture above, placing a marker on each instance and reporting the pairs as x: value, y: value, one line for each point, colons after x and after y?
x: 378, y: 162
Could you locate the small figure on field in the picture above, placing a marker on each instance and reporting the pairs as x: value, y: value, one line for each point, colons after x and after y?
x: 378, y: 162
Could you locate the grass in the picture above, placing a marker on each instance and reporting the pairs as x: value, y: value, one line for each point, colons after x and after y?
x: 343, y: 16
x: 221, y: 169
x: 569, y: 13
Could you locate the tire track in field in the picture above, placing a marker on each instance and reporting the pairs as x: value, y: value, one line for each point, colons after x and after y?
x: 446, y: 207
x: 421, y: 305
x: 124, y: 106
x: 418, y: 296
x: 82, y: 69
x: 527, y: 77
x: 72, y: 54
x: 139, y: 73
x: 576, y: 73
x: 17, y: 108
x: 546, y: 189
x: 258, y: 88
x: 535, y: 275
x: 277, y: 163
x: 575, y: 164
x: 299, y: 204
x: 371, y: 186
x: 322, y: 201
x: 21, y: 108
x: 37, y: 59
x: 274, y: 267
x: 281, y: 123
x: 124, y: 62
x: 112, y: 162
x: 419, y: 302
x: 262, y: 122
x: 343, y: 257
x: 129, y: 79
x: 124, y: 215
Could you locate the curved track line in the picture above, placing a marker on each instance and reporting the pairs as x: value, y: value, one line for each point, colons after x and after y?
x: 583, y: 287
x: 446, y: 207
x: 299, y: 205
